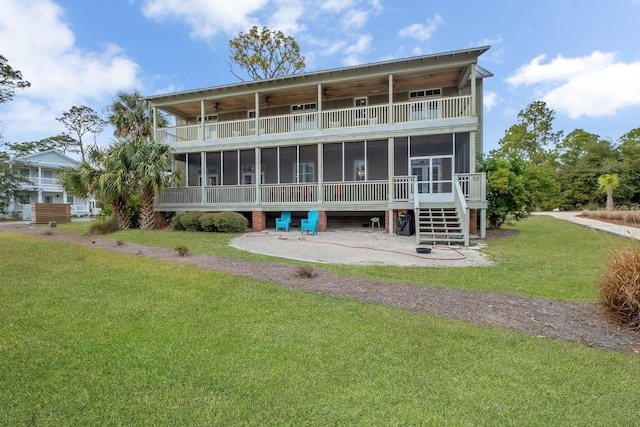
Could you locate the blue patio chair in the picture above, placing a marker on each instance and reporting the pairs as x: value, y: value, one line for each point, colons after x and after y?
x: 310, y: 223
x: 284, y: 221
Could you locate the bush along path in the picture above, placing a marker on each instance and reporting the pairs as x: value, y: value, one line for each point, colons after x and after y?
x: 587, y: 324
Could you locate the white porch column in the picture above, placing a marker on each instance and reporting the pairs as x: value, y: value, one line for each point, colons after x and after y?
x: 203, y: 174
x: 472, y: 152
x: 258, y: 178
x: 202, y: 124
x: 154, y: 111
x: 319, y: 115
x: 391, y: 173
x: 474, y: 98
x: 391, y: 118
x: 320, y: 173
x: 40, y: 199
x: 257, y: 119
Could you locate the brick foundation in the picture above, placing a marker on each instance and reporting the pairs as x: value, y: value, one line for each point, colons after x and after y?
x: 473, y: 221
x: 258, y: 220
x: 387, y: 224
x: 322, y: 221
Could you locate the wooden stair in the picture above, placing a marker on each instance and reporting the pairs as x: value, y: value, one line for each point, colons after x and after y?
x: 439, y: 226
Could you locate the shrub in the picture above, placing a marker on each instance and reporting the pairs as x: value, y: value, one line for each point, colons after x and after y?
x: 620, y: 287
x: 103, y: 225
x: 176, y: 223
x: 182, y: 250
x: 191, y: 221
x: 230, y: 222
x: 208, y: 222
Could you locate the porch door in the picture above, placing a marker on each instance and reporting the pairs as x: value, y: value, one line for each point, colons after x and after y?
x: 434, y: 175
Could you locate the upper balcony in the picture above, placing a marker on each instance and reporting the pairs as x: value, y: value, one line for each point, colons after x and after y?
x: 434, y: 110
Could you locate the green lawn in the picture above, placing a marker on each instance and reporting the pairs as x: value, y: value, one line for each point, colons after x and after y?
x: 89, y: 337
x: 550, y: 258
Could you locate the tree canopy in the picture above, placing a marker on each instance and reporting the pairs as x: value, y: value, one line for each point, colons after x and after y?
x: 10, y: 80
x: 79, y: 121
x: 132, y: 117
x: 533, y: 136
x: 265, y: 54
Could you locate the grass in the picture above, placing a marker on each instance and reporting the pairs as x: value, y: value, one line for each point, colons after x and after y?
x: 89, y: 337
x: 549, y: 258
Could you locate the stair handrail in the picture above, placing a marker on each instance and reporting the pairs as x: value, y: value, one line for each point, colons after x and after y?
x: 461, y: 205
x: 416, y: 211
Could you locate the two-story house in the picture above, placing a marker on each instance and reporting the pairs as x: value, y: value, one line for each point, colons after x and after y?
x: 373, y: 140
x: 41, y: 171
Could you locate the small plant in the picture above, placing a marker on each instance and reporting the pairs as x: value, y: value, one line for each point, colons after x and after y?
x: 305, y: 272
x: 119, y: 242
x: 103, y: 225
x: 182, y: 250
x: 620, y: 287
x: 48, y: 233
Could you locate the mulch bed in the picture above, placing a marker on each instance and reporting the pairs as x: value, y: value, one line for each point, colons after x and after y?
x: 587, y: 324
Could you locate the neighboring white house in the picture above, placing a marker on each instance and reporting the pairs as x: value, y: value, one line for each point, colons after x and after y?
x: 42, y: 171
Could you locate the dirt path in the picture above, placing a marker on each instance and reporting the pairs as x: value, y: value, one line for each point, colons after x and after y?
x: 582, y: 323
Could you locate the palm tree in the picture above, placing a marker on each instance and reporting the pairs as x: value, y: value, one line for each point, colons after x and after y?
x: 132, y: 116
x: 109, y: 181
x: 149, y: 163
x: 607, y: 183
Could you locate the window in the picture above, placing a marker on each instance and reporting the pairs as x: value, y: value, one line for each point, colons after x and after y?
x: 360, y: 102
x: 24, y: 172
x: 425, y: 93
x: 251, y: 114
x: 69, y: 198
x: 304, y: 172
x: 208, y: 119
x: 360, y: 172
x: 304, y: 107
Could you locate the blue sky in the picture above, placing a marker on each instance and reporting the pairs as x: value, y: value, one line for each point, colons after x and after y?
x: 581, y: 57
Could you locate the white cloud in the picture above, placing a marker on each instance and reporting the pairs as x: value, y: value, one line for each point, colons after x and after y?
x: 206, y: 18
x: 594, y: 85
x: 287, y: 16
x: 37, y: 42
x: 355, y: 19
x: 422, y: 32
x: 362, y: 45
x: 490, y: 99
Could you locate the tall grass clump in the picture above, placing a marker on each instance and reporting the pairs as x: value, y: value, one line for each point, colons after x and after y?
x: 103, y: 225
x: 620, y: 287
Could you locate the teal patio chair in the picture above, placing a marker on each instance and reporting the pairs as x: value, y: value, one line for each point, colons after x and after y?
x: 284, y: 221
x: 310, y: 223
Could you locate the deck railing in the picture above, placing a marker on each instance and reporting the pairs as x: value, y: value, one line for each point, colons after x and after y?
x: 366, y: 116
x: 232, y: 194
x: 288, y: 193
x: 472, y: 187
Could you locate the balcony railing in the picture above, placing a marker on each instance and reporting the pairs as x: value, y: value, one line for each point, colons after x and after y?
x: 40, y: 182
x: 361, y: 192
x: 357, y: 117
